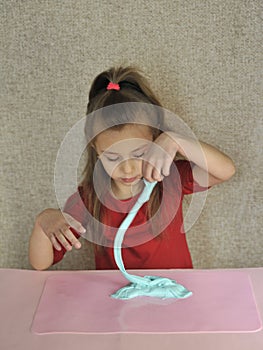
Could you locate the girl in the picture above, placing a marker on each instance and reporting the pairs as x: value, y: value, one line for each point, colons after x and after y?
x: 126, y: 144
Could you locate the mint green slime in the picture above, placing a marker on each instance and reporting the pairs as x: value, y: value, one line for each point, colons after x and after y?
x: 154, y: 286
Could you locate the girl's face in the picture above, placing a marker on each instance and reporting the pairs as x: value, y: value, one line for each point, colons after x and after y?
x: 121, y: 152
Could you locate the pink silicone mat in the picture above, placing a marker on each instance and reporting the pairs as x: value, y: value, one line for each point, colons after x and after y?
x: 222, y: 301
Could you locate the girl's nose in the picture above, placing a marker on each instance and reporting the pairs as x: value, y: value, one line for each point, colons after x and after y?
x: 127, y: 166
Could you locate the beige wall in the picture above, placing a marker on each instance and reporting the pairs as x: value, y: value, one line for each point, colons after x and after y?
x: 202, y: 58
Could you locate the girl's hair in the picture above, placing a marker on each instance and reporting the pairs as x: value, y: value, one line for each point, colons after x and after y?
x: 133, y: 88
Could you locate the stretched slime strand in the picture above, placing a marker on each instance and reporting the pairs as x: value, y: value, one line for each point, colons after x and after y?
x: 154, y: 286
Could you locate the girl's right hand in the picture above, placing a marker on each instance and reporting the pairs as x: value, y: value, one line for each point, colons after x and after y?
x: 56, y: 225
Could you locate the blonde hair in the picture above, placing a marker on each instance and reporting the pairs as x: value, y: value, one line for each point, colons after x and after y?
x: 133, y: 88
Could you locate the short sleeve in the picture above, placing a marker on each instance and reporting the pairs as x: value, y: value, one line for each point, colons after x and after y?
x: 74, y: 207
x: 189, y: 185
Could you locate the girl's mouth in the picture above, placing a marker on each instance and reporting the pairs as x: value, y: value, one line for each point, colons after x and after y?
x: 129, y: 180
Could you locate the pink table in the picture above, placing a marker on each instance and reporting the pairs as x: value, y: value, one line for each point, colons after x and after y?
x: 20, y: 292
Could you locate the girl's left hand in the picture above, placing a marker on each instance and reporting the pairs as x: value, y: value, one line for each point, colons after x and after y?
x: 159, y: 157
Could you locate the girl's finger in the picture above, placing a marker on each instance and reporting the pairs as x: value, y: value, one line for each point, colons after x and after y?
x: 55, y: 243
x: 70, y: 236
x: 74, y: 223
x: 156, y: 173
x: 165, y: 171
x: 147, y: 171
x: 151, y: 172
x: 60, y: 237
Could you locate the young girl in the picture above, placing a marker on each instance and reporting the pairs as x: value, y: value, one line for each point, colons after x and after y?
x: 125, y: 150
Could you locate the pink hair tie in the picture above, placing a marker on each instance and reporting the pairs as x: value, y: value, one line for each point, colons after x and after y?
x: 113, y: 86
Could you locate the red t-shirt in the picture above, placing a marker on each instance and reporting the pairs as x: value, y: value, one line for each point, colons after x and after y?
x: 143, y: 249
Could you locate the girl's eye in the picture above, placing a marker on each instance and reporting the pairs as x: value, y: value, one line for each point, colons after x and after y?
x: 139, y: 155
x: 112, y: 159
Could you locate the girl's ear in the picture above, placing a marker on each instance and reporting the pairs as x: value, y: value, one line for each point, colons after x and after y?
x: 94, y: 148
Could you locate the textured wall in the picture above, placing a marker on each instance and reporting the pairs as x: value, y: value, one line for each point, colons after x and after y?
x: 202, y: 58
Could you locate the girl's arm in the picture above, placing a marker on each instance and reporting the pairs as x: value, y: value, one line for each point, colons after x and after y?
x: 52, y: 229
x: 211, y: 165
x: 40, y: 249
